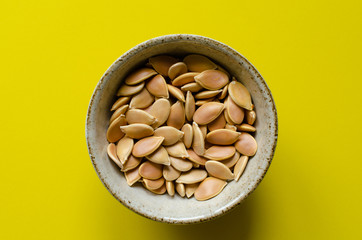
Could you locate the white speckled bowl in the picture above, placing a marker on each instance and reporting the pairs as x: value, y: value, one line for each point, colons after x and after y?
x: 176, y: 209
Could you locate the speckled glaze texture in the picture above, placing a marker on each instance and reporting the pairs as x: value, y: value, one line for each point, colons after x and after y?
x: 175, y: 209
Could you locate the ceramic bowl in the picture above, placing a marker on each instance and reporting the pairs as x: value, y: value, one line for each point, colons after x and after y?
x: 175, y: 209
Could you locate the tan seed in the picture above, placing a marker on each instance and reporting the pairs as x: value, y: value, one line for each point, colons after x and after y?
x: 177, y: 93
x: 137, y: 130
x: 209, y: 188
x: 218, y: 170
x: 153, y: 184
x: 142, y: 99
x: 170, y: 173
x: 222, y: 70
x: 160, y: 156
x: 162, y: 63
x: 231, y: 127
x: 189, y: 106
x: 196, y: 158
x: 246, y: 128
x: 193, y: 176
x: 192, y: 87
x: 203, y: 101
x: 150, y: 170
x: 112, y: 153
x: 198, y: 143
x: 184, y: 79
x: 180, y: 164
x: 224, y: 92
x: 188, y: 135
x: 235, y: 113
x: 118, y: 112
x: 127, y: 90
x: 226, y: 115
x: 219, y: 152
x: 218, y: 123
x: 212, y: 79
x: 246, y: 144
x: 139, y: 76
x: 131, y: 163
x: 160, y: 110
x: 177, y: 150
x: 190, y: 189
x: 176, y: 118
x: 159, y: 191
x: 240, y: 95
x: 157, y: 86
x: 132, y: 176
x: 198, y: 63
x: 250, y: 117
x: 207, y: 94
x: 240, y: 167
x: 222, y: 137
x: 114, y: 132
x: 124, y: 148
x: 171, y: 135
x: 146, y: 146
x: 176, y: 70
x: 203, y: 129
x: 170, y: 187
x: 139, y: 116
x: 180, y: 189
x: 120, y: 102
x: 230, y: 162
x: 208, y: 112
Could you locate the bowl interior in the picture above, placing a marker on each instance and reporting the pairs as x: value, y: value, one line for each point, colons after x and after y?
x: 176, y: 209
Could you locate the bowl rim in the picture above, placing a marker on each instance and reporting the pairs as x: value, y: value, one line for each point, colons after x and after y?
x: 161, y: 40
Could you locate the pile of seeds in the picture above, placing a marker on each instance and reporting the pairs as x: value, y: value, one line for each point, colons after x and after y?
x: 182, y: 126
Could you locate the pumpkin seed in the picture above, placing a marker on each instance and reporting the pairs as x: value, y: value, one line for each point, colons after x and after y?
x: 131, y: 163
x: 209, y: 188
x: 139, y: 116
x: 240, y: 167
x: 112, y: 153
x: 212, y: 79
x: 188, y: 135
x: 230, y: 162
x: 177, y: 93
x: 137, y: 130
x: 157, y: 86
x: 127, y: 90
x: 203, y: 101
x: 222, y: 70
x: 203, y: 129
x: 219, y: 152
x: 190, y: 189
x: 171, y: 135
x: 132, y: 176
x: 240, y: 95
x: 150, y: 170
x: 146, y: 146
x: 170, y: 173
x: 159, y: 191
x: 198, y: 143
x: 218, y: 123
x: 170, y: 187
x: 176, y: 70
x: 189, y: 106
x: 120, y: 102
x: 114, y: 133
x: 230, y: 127
x: 176, y: 118
x: 118, y: 112
x: 196, y: 158
x: 162, y: 63
x: 250, y: 117
x: 124, y: 148
x: 142, y: 99
x: 192, y: 87
x: 153, y: 184
x: 226, y: 115
x: 180, y: 164
x: 160, y: 110
x: 246, y: 144
x: 246, y: 128
x: 235, y: 113
x: 198, y: 63
x: 177, y: 150
x: 208, y: 112
x: 184, y: 79
x: 222, y: 137
x: 218, y: 170
x: 224, y: 92
x: 193, y: 176
x: 159, y: 156
x: 180, y: 189
x: 207, y: 94
x: 139, y: 76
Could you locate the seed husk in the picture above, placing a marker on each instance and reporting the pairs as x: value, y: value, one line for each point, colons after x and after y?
x: 159, y: 191
x: 114, y: 132
x: 207, y: 94
x: 160, y: 156
x: 131, y: 163
x: 190, y: 189
x: 192, y: 87
x: 150, y: 170
x: 184, y: 79
x: 112, y: 153
x: 177, y: 150
x: 196, y: 158
x: 177, y: 93
x: 146, y: 146
x: 209, y: 188
x: 246, y: 128
x: 137, y: 130
x: 170, y: 187
x: 160, y: 110
x: 198, y: 143
x: 118, y: 112
x: 142, y: 100
x: 157, y: 86
x: 231, y: 127
x: 124, y: 149
x: 176, y: 70
x: 176, y: 118
x: 218, y: 153
x: 127, y: 90
x: 218, y: 170
x: 180, y: 164
x: 139, y: 116
x: 193, y: 176
x: 212, y: 79
x: 188, y: 135
x: 230, y: 162
x: 153, y: 184
x: 203, y: 129
x: 162, y: 63
x: 189, y: 106
x: 236, y: 114
x: 222, y: 137
x: 226, y: 115
x: 198, y: 63
x: 224, y: 92
x: 180, y: 189
x: 246, y: 144
x: 218, y: 123
x: 170, y: 173
x: 240, y: 95
x: 250, y: 117
x: 171, y: 135
x: 240, y: 167
x: 120, y: 102
x: 208, y: 112
x: 203, y: 101
x: 139, y: 76
x: 132, y: 176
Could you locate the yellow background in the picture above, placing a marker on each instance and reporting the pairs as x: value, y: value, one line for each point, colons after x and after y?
x: 54, y: 52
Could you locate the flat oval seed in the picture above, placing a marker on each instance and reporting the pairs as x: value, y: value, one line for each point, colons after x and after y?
x: 120, y: 102
x: 246, y: 144
x: 142, y: 99
x: 209, y: 188
x: 139, y: 116
x: 192, y: 87
x: 150, y: 170
x: 218, y: 170
x: 114, y: 133
x: 176, y: 70
x: 196, y: 158
x: 160, y: 156
x: 198, y: 143
x: 162, y: 63
x: 177, y: 93
x: 137, y: 130
x: 124, y: 148
x: 131, y: 163
x: 184, y: 79
x: 189, y: 106
x: 203, y: 101
x: 240, y: 95
x: 139, y: 75
x: 222, y: 137
x: 222, y: 70
x: 231, y: 127
x: 246, y: 128
x: 190, y: 189
x: 170, y: 187
x: 118, y: 112
x: 132, y: 176
x: 198, y: 63
x: 146, y: 146
x: 188, y: 135
x: 226, y: 116
x: 180, y: 164
x: 250, y: 117
x: 160, y: 110
x: 153, y: 184
x: 208, y: 112
x: 112, y: 153
x: 159, y: 191
x: 177, y: 150
x: 171, y: 135
x: 203, y: 129
x: 157, y: 86
x: 180, y: 189
x: 212, y: 79
x: 240, y: 167
x: 207, y: 94
x: 219, y: 152
x: 224, y: 92
x: 193, y: 176
x: 170, y: 173
x: 230, y: 162
x: 176, y: 118
x: 127, y: 90
x: 218, y: 123
x: 236, y: 114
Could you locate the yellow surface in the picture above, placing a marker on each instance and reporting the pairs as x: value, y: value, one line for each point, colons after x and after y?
x: 54, y: 52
